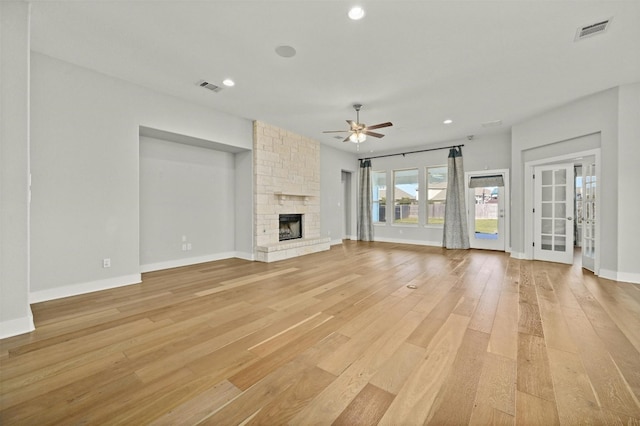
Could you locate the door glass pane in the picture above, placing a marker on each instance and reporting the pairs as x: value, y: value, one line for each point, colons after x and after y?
x: 561, y: 193
x: 560, y: 227
x: 547, y: 193
x: 547, y: 177
x: 561, y: 176
x: 547, y: 226
x: 547, y: 242
x: 486, y: 212
x: 561, y: 210
x: 547, y: 210
x: 560, y: 244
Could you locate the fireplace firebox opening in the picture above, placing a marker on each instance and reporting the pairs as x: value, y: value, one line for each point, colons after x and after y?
x: 290, y: 227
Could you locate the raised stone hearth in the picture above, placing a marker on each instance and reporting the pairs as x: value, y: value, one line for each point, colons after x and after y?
x: 287, y: 181
x: 293, y: 248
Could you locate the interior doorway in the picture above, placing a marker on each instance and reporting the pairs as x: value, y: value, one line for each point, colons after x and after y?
x: 561, y: 220
x: 346, y: 205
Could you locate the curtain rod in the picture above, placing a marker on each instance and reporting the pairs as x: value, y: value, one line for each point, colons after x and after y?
x: 412, y: 152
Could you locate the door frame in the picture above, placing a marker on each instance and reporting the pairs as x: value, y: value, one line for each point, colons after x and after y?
x: 529, y: 197
x: 506, y: 201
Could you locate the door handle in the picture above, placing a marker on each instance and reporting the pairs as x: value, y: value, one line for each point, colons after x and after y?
x: 569, y: 218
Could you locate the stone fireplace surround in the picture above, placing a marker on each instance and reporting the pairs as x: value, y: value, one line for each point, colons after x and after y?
x: 287, y: 180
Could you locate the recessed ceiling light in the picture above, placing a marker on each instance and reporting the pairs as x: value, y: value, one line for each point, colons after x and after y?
x: 228, y: 82
x: 356, y: 13
x: 448, y: 121
x: 286, y: 51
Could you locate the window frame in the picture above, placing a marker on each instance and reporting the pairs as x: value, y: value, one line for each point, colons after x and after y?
x: 417, y: 199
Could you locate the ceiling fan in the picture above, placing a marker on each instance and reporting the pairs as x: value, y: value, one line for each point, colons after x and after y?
x: 359, y: 131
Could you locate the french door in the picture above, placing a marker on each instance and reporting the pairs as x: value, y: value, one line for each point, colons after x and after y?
x: 588, y: 216
x: 553, y: 213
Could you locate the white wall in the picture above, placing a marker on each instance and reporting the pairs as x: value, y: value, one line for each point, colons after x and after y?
x: 15, y: 314
x: 85, y: 163
x: 244, y: 231
x: 594, y: 114
x: 485, y: 153
x: 187, y: 201
x: 332, y: 163
x: 628, y: 179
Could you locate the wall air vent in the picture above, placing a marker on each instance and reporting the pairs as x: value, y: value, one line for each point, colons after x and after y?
x: 593, y: 29
x: 209, y: 86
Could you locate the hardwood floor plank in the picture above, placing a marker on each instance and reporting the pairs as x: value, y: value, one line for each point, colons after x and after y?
x: 504, y: 332
x: 194, y: 410
x: 455, y: 400
x: 609, y: 385
x: 531, y: 410
x: 575, y: 400
x: 393, y: 374
x: 415, y: 399
x: 288, y: 403
x: 367, y: 408
x: 483, y: 415
x: 533, y: 373
x: 497, y: 386
x: 328, y: 405
x: 344, y: 356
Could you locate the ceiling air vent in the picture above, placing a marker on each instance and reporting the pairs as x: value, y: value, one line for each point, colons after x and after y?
x: 593, y: 29
x: 209, y: 86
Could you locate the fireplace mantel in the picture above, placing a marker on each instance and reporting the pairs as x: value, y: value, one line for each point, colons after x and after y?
x: 282, y: 196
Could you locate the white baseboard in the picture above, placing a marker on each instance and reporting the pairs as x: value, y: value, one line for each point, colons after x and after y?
x: 195, y: 260
x: 244, y: 255
x: 335, y: 242
x: 518, y: 255
x: 414, y: 242
x: 17, y: 326
x: 83, y: 288
x: 627, y: 277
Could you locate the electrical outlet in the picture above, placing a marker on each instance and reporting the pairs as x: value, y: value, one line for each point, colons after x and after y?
x: 188, y: 246
x: 184, y: 247
x: 106, y: 263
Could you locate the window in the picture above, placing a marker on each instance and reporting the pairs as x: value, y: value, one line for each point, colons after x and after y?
x: 405, y: 196
x: 379, y: 196
x: 436, y: 194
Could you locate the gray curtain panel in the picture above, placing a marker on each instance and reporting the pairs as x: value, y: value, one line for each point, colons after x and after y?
x: 365, y: 223
x: 455, y: 233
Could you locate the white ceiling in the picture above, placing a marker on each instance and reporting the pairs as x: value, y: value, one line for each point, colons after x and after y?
x: 414, y: 63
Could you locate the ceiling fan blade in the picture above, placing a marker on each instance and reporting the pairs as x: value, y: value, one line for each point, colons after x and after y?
x: 346, y: 139
x: 379, y: 126
x: 336, y: 131
x: 374, y: 134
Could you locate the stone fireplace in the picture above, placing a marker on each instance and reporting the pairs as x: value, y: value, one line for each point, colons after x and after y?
x: 286, y: 169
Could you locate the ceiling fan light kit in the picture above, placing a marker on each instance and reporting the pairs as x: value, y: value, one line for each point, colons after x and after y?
x: 358, y: 137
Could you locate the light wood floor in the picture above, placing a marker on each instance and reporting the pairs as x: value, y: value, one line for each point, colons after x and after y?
x: 336, y: 338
